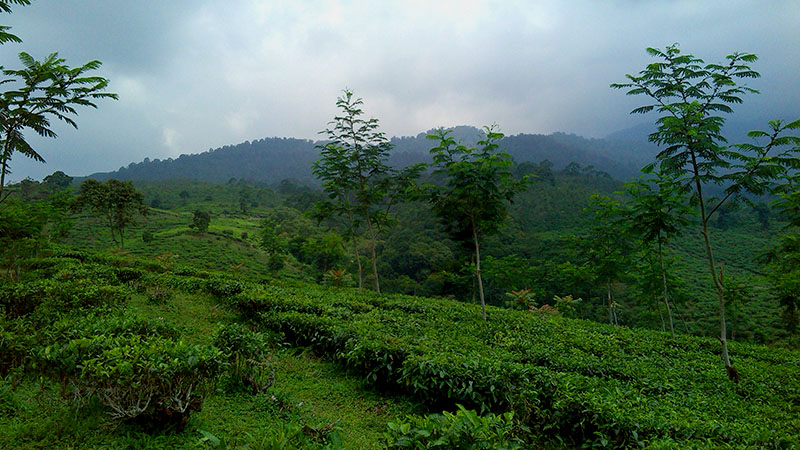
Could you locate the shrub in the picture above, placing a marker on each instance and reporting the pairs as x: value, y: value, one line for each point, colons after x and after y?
x: 154, y: 380
x: 127, y: 274
x: 48, y: 297
x: 249, y: 362
x: 147, y: 237
x: 224, y: 288
x: 92, y: 325
x: 463, y: 430
x: 336, y: 278
x: 21, y: 299
x: 15, y: 344
x: 583, y: 383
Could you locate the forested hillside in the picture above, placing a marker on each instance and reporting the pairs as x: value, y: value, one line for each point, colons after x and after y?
x: 271, y: 160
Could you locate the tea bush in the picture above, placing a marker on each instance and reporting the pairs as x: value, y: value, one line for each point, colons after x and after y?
x: 249, y: 363
x: 8, y: 402
x: 463, y: 430
x: 224, y: 287
x: 136, y: 368
x: 581, y: 382
x: 48, y: 298
x: 16, y: 342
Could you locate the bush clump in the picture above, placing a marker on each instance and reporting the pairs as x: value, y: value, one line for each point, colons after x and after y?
x: 136, y: 368
x: 463, y: 430
x: 8, y: 402
x: 224, y: 288
x: 47, y: 297
x: 250, y: 365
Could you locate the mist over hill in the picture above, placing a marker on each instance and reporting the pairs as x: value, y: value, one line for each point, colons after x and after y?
x: 270, y: 160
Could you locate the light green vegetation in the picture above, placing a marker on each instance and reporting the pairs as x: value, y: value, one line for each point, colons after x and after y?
x: 308, y: 393
x: 574, y: 381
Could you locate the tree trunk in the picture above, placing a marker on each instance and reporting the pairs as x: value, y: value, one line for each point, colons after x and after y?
x: 610, y: 307
x: 373, y: 255
x: 111, y: 228
x: 478, y: 269
x: 661, y: 316
x: 666, y: 296
x: 355, y: 249
x: 726, y: 360
x: 3, y: 177
x: 358, y: 263
x: 474, y: 280
x: 682, y: 319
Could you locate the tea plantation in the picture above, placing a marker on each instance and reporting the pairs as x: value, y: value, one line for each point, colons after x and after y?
x: 104, y: 350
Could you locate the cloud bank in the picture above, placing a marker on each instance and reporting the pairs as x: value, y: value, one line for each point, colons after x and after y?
x: 194, y: 75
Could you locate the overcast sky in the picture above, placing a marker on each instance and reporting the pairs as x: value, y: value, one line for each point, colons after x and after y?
x: 198, y: 74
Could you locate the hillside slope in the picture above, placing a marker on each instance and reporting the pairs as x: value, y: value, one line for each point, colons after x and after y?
x: 270, y: 160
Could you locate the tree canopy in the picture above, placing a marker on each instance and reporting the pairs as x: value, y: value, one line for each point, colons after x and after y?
x: 478, y: 184
x: 39, y: 93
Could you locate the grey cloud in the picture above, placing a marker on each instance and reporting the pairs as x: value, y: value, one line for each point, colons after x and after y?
x: 199, y: 74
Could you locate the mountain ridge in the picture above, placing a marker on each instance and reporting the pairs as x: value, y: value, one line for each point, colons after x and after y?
x: 272, y: 159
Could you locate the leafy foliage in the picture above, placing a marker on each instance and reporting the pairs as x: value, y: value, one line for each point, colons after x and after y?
x: 463, y: 430
x: 153, y: 379
x: 690, y: 97
x: 116, y: 201
x: 582, y: 382
x: 478, y: 185
x: 200, y: 221
x: 42, y: 91
x: 354, y: 173
x: 249, y: 362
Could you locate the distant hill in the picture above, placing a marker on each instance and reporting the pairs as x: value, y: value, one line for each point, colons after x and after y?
x: 270, y: 160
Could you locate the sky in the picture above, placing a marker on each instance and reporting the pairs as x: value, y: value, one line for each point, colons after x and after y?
x: 199, y: 74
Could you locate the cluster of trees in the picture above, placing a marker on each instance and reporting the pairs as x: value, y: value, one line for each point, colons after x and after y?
x: 474, y: 185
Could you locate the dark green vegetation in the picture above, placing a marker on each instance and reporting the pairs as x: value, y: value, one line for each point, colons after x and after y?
x: 270, y: 160
x: 568, y: 381
x: 575, y: 381
x: 690, y: 96
x: 564, y: 380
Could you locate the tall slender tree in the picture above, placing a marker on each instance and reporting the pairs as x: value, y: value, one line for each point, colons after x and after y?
x: 690, y: 96
x: 606, y: 248
x: 657, y: 212
x: 478, y: 185
x: 356, y: 176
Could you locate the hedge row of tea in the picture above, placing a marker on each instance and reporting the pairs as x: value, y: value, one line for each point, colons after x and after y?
x: 65, y: 319
x: 580, y: 382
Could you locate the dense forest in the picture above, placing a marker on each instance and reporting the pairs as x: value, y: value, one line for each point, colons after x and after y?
x: 271, y: 160
x: 457, y: 289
